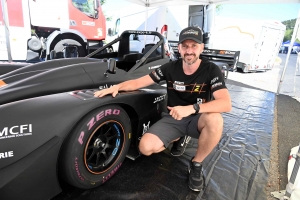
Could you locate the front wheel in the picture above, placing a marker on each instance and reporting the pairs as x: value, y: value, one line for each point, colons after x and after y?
x: 95, y: 150
x: 59, y: 48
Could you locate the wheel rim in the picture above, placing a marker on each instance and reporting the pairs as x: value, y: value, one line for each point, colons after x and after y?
x: 104, y: 147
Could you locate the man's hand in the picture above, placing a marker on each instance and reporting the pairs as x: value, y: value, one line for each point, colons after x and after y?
x: 112, y: 90
x: 178, y: 112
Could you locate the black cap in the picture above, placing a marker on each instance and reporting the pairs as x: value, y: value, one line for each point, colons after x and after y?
x: 191, y: 33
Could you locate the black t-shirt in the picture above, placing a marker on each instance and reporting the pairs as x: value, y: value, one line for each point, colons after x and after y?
x: 185, y: 89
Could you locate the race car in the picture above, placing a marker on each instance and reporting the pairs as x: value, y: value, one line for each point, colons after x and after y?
x: 52, y: 127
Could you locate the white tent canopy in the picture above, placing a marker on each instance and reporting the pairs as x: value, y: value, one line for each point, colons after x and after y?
x: 155, y: 3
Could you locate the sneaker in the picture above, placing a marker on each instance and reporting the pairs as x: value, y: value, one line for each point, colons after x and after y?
x: 196, y: 178
x: 179, y: 146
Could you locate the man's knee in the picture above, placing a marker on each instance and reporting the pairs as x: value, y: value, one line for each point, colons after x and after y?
x: 213, y: 121
x: 149, y: 144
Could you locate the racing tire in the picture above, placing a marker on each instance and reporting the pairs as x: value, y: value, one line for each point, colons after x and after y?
x: 58, y: 48
x: 96, y: 148
x: 110, y: 49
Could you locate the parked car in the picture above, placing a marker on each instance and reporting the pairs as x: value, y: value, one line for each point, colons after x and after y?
x: 283, y: 49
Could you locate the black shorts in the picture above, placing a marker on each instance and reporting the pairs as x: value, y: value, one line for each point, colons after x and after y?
x: 169, y: 129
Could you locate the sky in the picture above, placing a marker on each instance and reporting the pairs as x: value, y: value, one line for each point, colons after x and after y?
x: 278, y: 12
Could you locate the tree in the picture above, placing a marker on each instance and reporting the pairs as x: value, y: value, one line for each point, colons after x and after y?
x: 107, y: 18
x: 290, y: 24
x: 219, y: 8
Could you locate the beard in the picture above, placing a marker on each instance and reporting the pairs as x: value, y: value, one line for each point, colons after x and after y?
x: 191, y: 60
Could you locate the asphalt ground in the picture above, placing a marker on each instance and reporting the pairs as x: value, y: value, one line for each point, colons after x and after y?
x: 286, y: 128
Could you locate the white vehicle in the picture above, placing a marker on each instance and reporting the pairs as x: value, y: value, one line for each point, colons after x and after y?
x: 258, y: 41
x: 34, y: 30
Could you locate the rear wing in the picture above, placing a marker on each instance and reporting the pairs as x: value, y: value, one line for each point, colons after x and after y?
x: 227, y: 56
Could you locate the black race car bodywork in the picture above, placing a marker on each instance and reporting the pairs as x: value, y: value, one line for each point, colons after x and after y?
x: 52, y: 127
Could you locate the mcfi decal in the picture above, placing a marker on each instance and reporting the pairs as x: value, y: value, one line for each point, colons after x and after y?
x: 16, y: 131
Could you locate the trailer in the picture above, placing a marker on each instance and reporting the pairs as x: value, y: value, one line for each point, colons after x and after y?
x: 36, y: 30
x: 257, y: 40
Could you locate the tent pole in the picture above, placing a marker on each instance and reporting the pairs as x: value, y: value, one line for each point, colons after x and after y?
x: 146, y: 19
x: 6, y: 27
x: 296, y: 29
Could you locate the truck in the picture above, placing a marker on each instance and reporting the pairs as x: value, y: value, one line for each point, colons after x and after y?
x: 35, y: 30
x: 258, y: 41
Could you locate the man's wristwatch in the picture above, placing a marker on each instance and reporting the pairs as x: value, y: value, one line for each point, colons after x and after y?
x: 196, y: 107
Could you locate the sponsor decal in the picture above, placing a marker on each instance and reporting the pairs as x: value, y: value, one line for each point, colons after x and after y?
x: 214, y: 80
x: 100, y: 115
x: 77, y: 169
x: 104, y: 86
x: 7, y: 154
x: 145, y: 129
x: 227, y: 52
x: 216, y: 85
x: 179, y: 87
x: 140, y: 32
x: 199, y: 101
x: 159, y: 72
x: 80, y: 139
x: 160, y: 98
x: 155, y: 75
x: 209, y: 51
x: 105, y: 178
x: 154, y: 67
x: 16, y: 131
x: 197, y: 88
x: 178, y: 82
x: 87, y: 23
x: 190, y: 32
x: 206, y: 51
